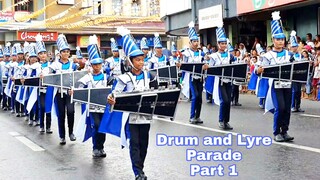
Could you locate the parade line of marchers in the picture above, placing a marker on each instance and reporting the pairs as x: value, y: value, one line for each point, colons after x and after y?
x: 201, y: 156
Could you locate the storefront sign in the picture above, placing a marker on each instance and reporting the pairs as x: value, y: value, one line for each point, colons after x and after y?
x: 245, y: 6
x: 83, y: 41
x: 31, y: 36
x: 66, y: 2
x: 6, y: 16
x: 210, y: 17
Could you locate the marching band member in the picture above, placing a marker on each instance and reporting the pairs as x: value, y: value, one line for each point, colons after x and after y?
x: 193, y: 82
x: 18, y: 73
x: 279, y: 93
x: 33, y: 71
x: 296, y: 86
x: 145, y: 49
x: 95, y: 79
x: 6, y: 102
x: 235, y: 82
x: 158, y: 59
x: 2, y: 64
x: 26, y: 49
x: 137, y: 79
x: 42, y: 55
x: 222, y: 86
x: 113, y: 64
x: 64, y: 64
x: 12, y: 67
x: 262, y: 83
x: 175, y: 56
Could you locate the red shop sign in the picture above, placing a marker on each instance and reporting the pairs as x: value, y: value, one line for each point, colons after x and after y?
x: 31, y: 36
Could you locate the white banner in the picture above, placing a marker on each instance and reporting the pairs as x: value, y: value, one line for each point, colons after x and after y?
x: 210, y: 17
x: 66, y: 2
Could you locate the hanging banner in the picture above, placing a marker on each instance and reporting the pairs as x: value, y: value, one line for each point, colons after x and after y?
x: 83, y: 41
x: 6, y: 16
x: 245, y: 6
x: 31, y: 36
x: 66, y: 2
x: 210, y: 17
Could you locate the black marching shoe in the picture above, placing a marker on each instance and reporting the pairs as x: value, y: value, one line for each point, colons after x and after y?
x: 62, y: 141
x: 287, y: 138
x: 300, y: 110
x: 237, y: 104
x: 225, y: 126
x: 279, y: 138
x: 199, y: 121
x: 72, y: 137
x: 141, y: 177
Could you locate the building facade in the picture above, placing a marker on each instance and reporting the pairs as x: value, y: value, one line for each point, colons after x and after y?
x: 243, y: 19
x: 78, y: 19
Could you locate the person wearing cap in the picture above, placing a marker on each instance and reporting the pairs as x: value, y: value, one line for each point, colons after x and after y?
x: 158, y: 59
x: 64, y: 64
x: 113, y: 64
x: 45, y: 118
x: 12, y: 72
x: 145, y: 49
x: 80, y: 60
x: 136, y: 79
x: 279, y: 97
x: 262, y: 83
x: 24, y: 92
x: 235, y: 82
x: 2, y: 64
x: 222, y: 86
x: 33, y: 71
x: 18, y: 72
x: 95, y: 79
x: 193, y: 83
x: 6, y: 101
x: 175, y: 56
x: 296, y: 86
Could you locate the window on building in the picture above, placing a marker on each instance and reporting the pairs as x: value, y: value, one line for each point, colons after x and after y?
x: 117, y: 7
x: 97, y: 8
x: 154, y: 7
x: 135, y: 8
x: 28, y: 6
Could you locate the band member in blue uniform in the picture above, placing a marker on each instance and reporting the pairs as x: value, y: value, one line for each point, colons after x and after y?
x: 158, y: 59
x: 280, y: 93
x: 64, y: 64
x: 45, y: 118
x: 6, y: 101
x: 33, y: 71
x: 296, y: 86
x: 222, y: 89
x: 145, y: 49
x: 235, y: 82
x: 12, y: 69
x: 113, y: 64
x: 18, y: 72
x: 95, y: 79
x: 2, y: 64
x: 175, y: 56
x: 194, y: 82
x: 139, y: 125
